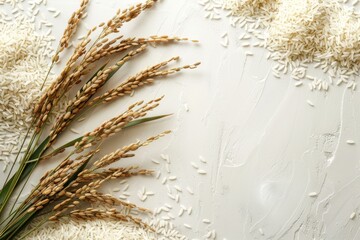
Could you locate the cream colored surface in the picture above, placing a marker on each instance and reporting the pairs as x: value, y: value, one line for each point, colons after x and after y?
x: 266, y: 148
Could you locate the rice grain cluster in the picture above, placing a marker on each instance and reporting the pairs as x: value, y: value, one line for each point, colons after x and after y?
x: 24, y: 59
x: 100, y: 229
x: 299, y: 32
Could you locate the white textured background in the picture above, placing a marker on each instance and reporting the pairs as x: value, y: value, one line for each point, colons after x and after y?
x: 266, y: 148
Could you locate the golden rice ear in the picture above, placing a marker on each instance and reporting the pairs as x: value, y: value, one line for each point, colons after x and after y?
x: 70, y: 188
x: 72, y: 26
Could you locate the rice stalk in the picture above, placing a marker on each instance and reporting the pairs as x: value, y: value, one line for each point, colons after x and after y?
x: 73, y: 188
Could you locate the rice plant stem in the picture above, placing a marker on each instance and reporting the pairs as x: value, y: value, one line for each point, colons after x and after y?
x: 22, y: 145
x: 86, y: 110
x: 21, y: 210
x: 17, y: 155
x: 14, y: 214
x: 16, y: 230
x: 17, y: 175
x: 29, y: 175
x: 35, y: 188
x: 33, y: 229
x: 47, y: 75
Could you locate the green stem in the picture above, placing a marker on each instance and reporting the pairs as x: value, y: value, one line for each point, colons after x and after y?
x: 33, y: 229
x: 11, y: 214
x: 86, y: 110
x: 16, y: 177
x: 25, y: 172
x: 12, y: 230
x: 31, y: 125
x: 17, y: 155
x: 47, y: 75
x: 13, y: 185
x: 29, y: 200
x: 29, y: 175
x: 2, y: 203
x: 22, y: 210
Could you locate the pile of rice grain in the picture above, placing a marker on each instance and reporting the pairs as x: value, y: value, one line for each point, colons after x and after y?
x: 299, y: 32
x: 24, y: 57
x: 253, y: 8
x: 100, y: 230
